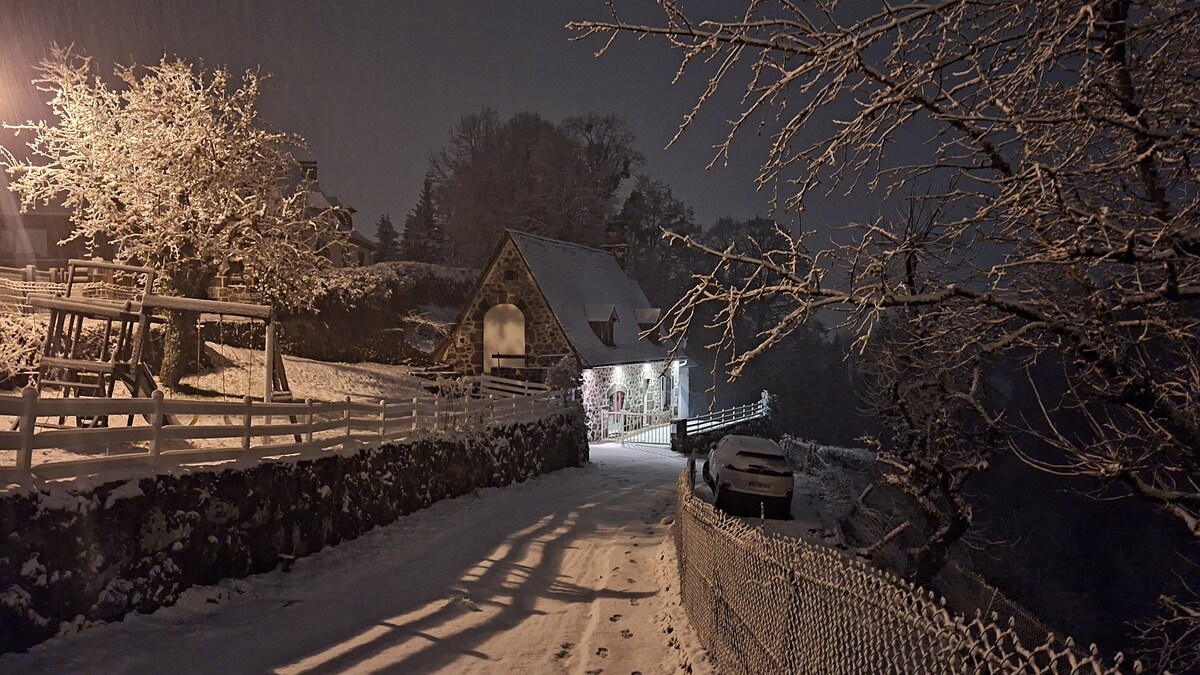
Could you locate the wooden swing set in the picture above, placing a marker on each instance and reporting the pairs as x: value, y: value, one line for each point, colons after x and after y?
x: 121, y: 298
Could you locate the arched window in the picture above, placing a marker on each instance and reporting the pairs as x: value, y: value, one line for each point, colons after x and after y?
x: 617, y: 402
x: 503, y: 337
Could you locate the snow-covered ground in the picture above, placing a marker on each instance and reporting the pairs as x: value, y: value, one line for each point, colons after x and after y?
x: 570, y: 572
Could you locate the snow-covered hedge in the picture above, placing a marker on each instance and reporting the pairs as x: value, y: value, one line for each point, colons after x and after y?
x: 401, y: 283
x: 20, y: 345
x: 373, y: 313
x: 97, y: 553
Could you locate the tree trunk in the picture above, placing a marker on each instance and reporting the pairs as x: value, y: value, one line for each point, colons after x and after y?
x: 179, y: 347
x: 182, y: 352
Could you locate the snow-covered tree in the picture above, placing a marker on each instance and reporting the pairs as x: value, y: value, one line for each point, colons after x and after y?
x: 388, y: 240
x: 175, y: 169
x: 529, y: 174
x: 424, y: 238
x: 1060, y: 144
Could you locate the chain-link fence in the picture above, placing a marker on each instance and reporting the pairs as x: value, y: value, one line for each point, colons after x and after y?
x: 766, y: 604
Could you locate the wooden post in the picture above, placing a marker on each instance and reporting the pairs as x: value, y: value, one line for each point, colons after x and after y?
x: 346, y: 441
x: 30, y: 273
x: 29, y: 397
x: 309, y: 422
x: 269, y: 376
x: 156, y: 424
x: 269, y: 370
x: 246, y: 418
x: 382, y: 421
x: 414, y: 415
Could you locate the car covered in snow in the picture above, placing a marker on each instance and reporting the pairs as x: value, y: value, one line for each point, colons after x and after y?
x: 748, y: 468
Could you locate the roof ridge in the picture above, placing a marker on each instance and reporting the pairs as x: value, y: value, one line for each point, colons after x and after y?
x: 511, y: 231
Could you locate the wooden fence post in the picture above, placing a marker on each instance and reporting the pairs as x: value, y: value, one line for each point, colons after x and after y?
x: 247, y: 416
x: 414, y: 415
x: 29, y: 398
x: 346, y: 416
x: 269, y: 363
x: 382, y: 421
x: 156, y: 424
x: 309, y: 422
x: 30, y: 273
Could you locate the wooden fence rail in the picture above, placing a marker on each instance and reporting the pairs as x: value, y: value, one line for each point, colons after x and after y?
x: 250, y: 426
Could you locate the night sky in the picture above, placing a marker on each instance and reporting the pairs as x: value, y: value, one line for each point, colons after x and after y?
x: 375, y: 87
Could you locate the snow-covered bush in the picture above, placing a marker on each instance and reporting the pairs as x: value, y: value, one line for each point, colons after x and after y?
x: 379, y: 312
x: 841, y: 472
x: 565, y: 374
x: 392, y: 284
x: 20, y: 345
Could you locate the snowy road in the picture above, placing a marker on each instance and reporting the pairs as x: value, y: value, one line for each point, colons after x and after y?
x: 564, y: 573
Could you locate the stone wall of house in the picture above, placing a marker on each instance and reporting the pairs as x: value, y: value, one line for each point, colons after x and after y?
x: 641, y: 382
x: 509, y: 281
x: 98, y: 553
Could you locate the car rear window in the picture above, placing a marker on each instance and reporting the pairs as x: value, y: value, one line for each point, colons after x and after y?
x: 759, y: 455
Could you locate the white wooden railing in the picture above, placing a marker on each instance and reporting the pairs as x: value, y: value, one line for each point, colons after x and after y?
x: 618, y: 423
x: 729, y: 416
x: 253, y: 428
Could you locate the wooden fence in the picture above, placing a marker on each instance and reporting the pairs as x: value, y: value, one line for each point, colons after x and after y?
x: 252, y: 428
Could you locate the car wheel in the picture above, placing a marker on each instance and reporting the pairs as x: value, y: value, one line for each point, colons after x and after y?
x: 707, y: 476
x: 720, y: 499
x: 783, y: 508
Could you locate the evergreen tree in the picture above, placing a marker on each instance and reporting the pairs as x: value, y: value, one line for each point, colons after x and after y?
x: 388, y: 247
x: 528, y: 173
x: 424, y: 238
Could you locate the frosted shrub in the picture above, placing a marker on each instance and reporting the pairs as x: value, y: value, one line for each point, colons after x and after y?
x: 20, y: 344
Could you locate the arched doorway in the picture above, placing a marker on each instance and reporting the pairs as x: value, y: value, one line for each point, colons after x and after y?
x: 503, y: 334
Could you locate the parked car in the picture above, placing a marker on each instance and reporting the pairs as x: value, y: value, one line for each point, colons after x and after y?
x: 748, y: 468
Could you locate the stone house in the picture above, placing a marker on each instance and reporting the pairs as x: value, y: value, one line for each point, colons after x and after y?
x: 540, y: 300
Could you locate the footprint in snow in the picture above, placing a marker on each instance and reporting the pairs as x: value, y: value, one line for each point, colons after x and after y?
x: 614, y: 618
x: 602, y: 652
x: 626, y: 633
x: 633, y: 601
x: 565, y: 651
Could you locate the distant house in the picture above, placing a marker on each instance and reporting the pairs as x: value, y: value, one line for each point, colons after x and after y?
x: 356, y: 250
x: 539, y: 300
x: 32, y: 238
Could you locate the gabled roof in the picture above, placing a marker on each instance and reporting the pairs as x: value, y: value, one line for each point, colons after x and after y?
x: 579, y: 282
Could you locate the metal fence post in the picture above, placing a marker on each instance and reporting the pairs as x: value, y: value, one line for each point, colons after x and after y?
x: 156, y: 424
x: 29, y: 398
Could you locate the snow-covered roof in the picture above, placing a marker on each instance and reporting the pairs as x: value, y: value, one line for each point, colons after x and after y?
x: 317, y: 200
x: 601, y: 313
x: 579, y: 282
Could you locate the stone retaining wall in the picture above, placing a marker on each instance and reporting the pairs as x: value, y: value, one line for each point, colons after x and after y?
x: 135, y: 545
